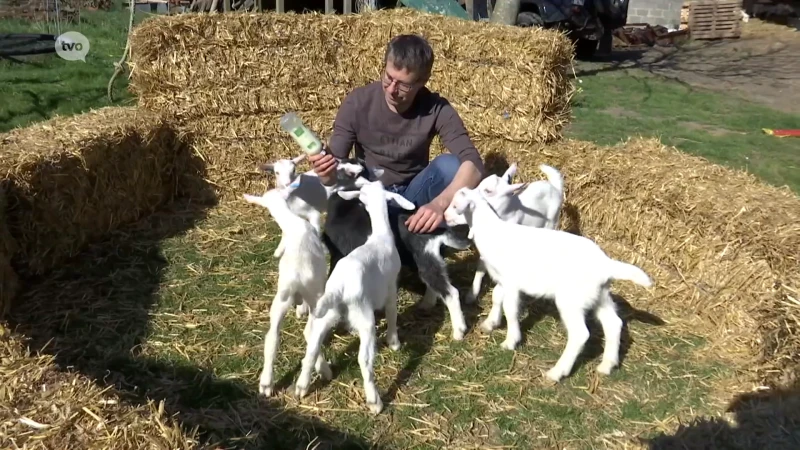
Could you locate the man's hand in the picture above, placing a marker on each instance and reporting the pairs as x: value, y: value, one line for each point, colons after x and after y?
x: 427, y: 218
x: 324, y: 166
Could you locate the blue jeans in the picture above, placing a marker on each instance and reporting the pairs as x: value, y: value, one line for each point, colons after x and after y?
x: 429, y: 183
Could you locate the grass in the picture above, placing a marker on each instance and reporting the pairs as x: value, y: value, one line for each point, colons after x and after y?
x: 176, y: 309
x: 723, y: 129
x: 35, y: 88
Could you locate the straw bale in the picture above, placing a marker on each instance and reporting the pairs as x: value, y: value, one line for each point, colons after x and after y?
x: 70, y: 180
x: 505, y: 81
x: 44, y: 407
x: 723, y: 243
x: 9, y: 283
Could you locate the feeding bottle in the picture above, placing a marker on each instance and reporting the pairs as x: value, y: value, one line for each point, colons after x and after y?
x: 304, y: 137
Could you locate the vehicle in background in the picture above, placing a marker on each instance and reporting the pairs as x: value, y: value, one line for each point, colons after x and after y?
x: 590, y: 23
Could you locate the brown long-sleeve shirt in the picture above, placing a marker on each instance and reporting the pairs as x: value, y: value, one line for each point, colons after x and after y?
x: 398, y: 143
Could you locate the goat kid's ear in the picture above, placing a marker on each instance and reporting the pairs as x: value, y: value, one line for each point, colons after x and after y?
x: 510, y: 172
x: 299, y: 159
x: 269, y: 168
x: 348, y: 195
x: 400, y: 201
x: 511, y: 189
x: 256, y: 199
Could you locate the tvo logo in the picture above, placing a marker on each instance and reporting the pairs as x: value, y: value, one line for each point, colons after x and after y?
x: 72, y: 46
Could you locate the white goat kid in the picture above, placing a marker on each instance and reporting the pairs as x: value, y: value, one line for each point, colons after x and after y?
x: 308, y: 197
x: 301, y: 278
x: 547, y: 263
x: 536, y: 204
x: 362, y: 282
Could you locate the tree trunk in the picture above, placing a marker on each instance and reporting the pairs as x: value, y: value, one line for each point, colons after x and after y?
x: 505, y: 12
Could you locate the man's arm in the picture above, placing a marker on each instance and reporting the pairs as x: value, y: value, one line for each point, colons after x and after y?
x: 340, y: 143
x: 455, y: 138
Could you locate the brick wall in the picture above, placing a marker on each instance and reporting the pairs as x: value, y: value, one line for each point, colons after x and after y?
x: 666, y: 13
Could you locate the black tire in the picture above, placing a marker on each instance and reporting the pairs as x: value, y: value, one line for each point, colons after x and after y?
x: 585, y: 48
x: 529, y: 19
x: 26, y: 44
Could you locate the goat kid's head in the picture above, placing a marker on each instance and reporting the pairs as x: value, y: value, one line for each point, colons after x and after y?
x: 370, y: 192
x: 459, y: 212
x: 274, y: 199
x: 501, y: 186
x: 284, y: 170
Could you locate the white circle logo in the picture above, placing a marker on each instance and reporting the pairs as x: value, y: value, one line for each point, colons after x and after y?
x: 72, y: 46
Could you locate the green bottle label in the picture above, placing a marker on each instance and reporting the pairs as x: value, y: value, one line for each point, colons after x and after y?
x: 298, y: 131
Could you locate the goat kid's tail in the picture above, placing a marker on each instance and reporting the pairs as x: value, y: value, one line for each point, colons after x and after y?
x: 624, y: 271
x: 553, y: 176
x: 326, y: 302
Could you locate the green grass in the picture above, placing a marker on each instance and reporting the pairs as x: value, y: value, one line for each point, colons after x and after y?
x: 724, y: 129
x: 35, y: 88
x: 176, y: 309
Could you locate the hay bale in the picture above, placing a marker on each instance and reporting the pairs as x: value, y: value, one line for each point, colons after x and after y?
x: 70, y: 180
x: 505, y: 81
x: 44, y: 407
x: 9, y: 283
x: 718, y: 241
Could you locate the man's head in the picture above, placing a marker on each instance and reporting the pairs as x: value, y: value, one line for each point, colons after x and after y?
x: 408, y: 63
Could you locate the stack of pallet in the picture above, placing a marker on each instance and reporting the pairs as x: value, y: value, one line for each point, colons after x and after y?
x: 715, y: 19
x: 685, y: 15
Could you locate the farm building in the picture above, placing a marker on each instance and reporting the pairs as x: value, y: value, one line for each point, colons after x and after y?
x: 666, y: 13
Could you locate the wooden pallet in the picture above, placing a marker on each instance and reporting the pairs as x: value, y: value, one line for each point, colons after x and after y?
x: 709, y: 19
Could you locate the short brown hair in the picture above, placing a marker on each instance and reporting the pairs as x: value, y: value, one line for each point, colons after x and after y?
x: 410, y: 52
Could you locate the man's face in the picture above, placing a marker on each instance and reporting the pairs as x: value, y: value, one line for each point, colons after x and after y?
x: 400, y: 86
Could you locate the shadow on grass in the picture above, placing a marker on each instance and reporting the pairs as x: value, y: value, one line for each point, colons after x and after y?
x: 764, y: 420
x: 93, y: 314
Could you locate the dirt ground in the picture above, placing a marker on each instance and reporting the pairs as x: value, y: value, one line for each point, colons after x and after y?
x: 762, y: 66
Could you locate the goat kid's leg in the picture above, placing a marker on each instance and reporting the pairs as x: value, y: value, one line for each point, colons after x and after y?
x: 280, y: 249
x: 315, y: 219
x: 392, y: 340
x: 577, y: 335
x: 321, y: 366
x: 280, y: 305
x: 319, y: 328
x: 366, y: 358
x: 473, y: 294
x: 457, y: 322
x: 511, y: 300
x: 495, y: 316
x: 429, y: 299
x: 612, y: 330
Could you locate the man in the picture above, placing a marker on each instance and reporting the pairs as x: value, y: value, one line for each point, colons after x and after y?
x: 391, y: 123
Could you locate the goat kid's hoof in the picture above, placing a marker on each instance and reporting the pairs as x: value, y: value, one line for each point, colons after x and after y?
x: 375, y: 408
x: 301, y: 310
x: 458, y: 334
x: 265, y: 390
x: 488, y: 326
x: 555, y: 374
x: 509, y: 344
x: 393, y: 344
x: 300, y: 391
x: 606, y: 367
